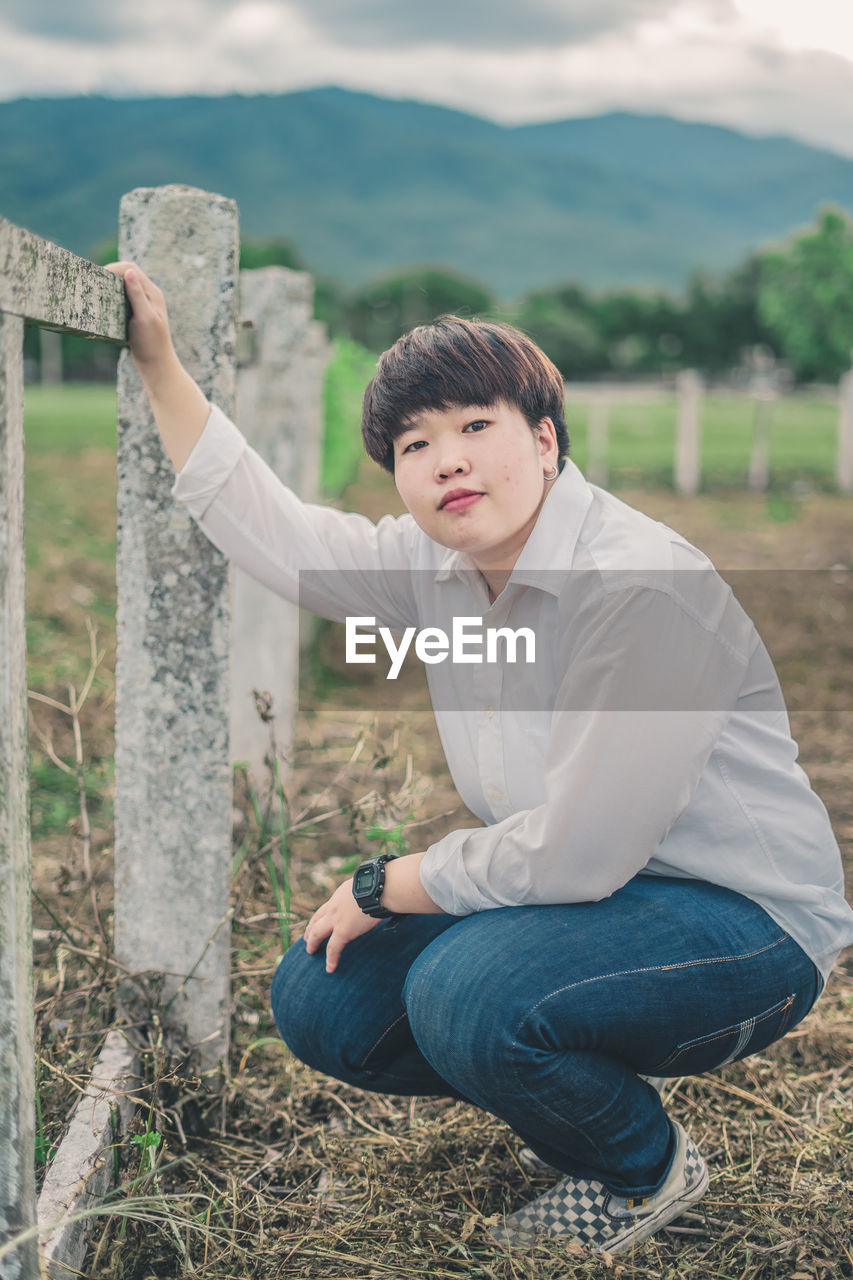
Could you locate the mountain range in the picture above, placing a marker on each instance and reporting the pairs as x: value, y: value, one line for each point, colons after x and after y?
x: 364, y: 185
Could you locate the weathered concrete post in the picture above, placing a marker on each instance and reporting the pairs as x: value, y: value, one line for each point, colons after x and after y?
x: 688, y: 438
x: 173, y: 793
x: 764, y: 391
x: 17, y: 1064
x: 280, y: 407
x: 844, y: 463
x: 598, y: 440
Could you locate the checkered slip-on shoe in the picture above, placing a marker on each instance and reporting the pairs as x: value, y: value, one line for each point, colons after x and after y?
x: 589, y: 1213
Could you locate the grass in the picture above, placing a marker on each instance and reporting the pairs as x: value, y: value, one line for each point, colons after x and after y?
x: 280, y: 1172
x: 348, y: 373
x: 642, y: 441
x: 804, y: 429
x: 71, y: 418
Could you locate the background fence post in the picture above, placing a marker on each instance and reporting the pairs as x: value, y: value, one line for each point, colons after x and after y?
x: 688, y: 439
x: 280, y: 405
x: 173, y: 792
x: 844, y: 462
x: 598, y: 440
x: 17, y: 1060
x: 764, y: 392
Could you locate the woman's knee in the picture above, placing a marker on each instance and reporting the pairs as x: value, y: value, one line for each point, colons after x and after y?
x: 349, y: 1024
x: 299, y: 1000
x: 457, y: 1014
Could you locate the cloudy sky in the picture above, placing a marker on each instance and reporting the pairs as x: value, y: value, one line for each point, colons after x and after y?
x: 765, y: 66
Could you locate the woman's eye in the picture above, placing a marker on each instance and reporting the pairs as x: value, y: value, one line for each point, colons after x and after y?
x: 478, y: 425
x: 415, y: 445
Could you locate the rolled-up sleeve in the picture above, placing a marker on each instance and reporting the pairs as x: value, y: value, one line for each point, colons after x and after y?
x: 647, y: 689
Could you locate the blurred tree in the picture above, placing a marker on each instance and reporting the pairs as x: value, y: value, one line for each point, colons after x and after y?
x: 256, y: 253
x: 721, y: 318
x: 106, y: 251
x: 562, y: 322
x: 640, y: 330
x: 379, y: 312
x: 805, y: 298
x: 330, y: 300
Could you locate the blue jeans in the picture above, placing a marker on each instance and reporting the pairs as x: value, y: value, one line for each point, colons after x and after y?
x: 546, y: 1016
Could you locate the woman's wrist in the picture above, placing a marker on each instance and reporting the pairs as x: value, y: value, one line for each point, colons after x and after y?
x: 403, y: 892
x: 180, y: 407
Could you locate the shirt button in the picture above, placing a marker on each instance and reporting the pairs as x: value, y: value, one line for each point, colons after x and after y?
x: 489, y: 712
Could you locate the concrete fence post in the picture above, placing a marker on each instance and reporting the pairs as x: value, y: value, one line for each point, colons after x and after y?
x: 688, y: 439
x: 764, y: 392
x: 844, y: 462
x: 173, y: 794
x: 17, y: 1062
x: 280, y: 409
x: 598, y: 440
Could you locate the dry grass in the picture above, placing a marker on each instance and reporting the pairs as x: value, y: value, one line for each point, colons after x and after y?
x: 281, y: 1172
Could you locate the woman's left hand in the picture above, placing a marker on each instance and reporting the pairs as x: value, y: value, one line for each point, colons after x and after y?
x: 340, y: 920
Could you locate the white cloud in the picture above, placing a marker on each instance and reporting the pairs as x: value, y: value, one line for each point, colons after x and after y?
x: 825, y: 25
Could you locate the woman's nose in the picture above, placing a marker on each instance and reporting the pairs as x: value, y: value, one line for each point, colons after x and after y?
x: 451, y: 463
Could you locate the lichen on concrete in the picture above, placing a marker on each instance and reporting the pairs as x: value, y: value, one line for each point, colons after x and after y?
x: 46, y: 284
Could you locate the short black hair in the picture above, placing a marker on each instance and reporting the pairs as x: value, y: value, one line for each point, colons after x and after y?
x: 452, y: 362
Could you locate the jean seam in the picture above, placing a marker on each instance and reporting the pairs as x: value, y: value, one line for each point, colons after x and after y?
x: 362, y: 1066
x: 653, y: 968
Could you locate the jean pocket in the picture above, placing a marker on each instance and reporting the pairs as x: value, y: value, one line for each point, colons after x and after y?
x: 728, y: 1044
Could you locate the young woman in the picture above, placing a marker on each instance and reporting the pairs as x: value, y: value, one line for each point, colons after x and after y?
x: 656, y: 889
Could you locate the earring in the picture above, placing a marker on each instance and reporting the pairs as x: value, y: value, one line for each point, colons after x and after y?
x: 556, y: 472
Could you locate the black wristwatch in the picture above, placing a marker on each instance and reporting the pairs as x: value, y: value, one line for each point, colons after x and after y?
x: 367, y: 884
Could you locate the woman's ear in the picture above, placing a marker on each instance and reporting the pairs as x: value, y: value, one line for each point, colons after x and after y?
x: 547, y: 437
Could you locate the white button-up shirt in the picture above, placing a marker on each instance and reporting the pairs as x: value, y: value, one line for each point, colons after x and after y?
x: 649, y: 734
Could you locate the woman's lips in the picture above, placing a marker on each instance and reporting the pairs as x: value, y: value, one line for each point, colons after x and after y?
x: 460, y: 502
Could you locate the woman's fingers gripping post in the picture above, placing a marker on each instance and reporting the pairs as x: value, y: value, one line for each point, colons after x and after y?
x: 148, y: 328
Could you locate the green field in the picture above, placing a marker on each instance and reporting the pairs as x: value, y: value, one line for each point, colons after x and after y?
x: 642, y: 440
x: 81, y: 416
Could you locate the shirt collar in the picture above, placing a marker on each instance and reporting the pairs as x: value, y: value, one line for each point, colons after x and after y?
x: 552, y: 540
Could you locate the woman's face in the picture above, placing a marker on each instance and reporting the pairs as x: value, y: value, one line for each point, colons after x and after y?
x: 473, y: 477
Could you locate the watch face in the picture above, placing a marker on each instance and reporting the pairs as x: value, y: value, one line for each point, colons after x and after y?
x: 365, y: 879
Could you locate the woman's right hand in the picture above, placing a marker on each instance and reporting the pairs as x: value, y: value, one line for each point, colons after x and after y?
x: 180, y: 407
x: 148, y: 328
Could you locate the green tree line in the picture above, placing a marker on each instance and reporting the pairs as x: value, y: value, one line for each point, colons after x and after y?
x: 795, y: 298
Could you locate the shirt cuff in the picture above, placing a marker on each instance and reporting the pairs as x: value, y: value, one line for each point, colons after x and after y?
x: 446, y: 880
x: 215, y: 455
